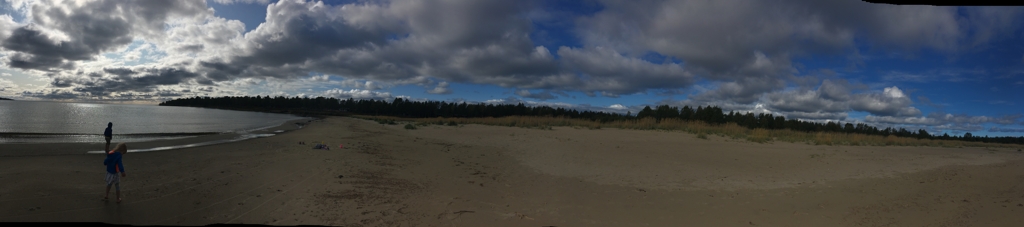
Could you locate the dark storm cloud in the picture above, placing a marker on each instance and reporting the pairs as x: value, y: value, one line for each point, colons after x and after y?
x: 483, y: 42
x: 30, y: 41
x: 805, y: 101
x: 608, y: 71
x: 61, y: 83
x: 126, y: 80
x: 744, y: 91
x: 40, y: 62
x: 222, y: 71
x: 123, y: 72
x: 458, y: 41
x: 191, y: 48
x: 52, y: 94
x: 728, y: 41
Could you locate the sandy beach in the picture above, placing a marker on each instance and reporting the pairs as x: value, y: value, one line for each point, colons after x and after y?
x: 475, y: 175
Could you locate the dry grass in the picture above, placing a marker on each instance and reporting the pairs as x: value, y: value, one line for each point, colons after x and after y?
x: 701, y: 129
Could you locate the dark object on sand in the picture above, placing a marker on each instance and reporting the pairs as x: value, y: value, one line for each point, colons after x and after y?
x: 321, y: 146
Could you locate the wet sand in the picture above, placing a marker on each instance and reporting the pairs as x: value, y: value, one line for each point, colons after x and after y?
x: 47, y: 149
x: 473, y: 175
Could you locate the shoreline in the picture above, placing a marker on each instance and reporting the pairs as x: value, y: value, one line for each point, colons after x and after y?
x: 71, y: 148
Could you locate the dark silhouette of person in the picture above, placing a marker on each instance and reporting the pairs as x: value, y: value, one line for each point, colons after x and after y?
x: 108, y: 133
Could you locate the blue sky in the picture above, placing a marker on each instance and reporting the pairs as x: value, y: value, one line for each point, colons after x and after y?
x: 944, y: 69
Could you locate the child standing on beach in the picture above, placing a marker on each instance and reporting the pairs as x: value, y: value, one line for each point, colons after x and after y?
x: 114, y: 166
x: 108, y: 133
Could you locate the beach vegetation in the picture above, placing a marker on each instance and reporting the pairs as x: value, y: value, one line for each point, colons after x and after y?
x: 710, y: 120
x: 410, y: 126
x: 729, y: 130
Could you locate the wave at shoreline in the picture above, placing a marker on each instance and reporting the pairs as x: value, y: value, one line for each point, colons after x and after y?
x: 236, y: 139
x: 29, y: 134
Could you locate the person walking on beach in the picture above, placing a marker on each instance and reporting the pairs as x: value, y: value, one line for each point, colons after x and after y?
x: 108, y: 133
x: 115, y: 166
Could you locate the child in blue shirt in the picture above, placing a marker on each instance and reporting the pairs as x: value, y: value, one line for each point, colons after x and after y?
x: 114, y: 166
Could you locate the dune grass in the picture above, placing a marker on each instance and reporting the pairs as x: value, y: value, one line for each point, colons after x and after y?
x: 700, y: 129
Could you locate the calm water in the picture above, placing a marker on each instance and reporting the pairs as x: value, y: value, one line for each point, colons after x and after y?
x: 48, y: 122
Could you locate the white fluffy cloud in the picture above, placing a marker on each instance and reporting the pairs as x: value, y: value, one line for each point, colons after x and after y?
x: 951, y: 122
x: 832, y: 100
x: 357, y: 94
x: 442, y: 88
x: 891, y: 102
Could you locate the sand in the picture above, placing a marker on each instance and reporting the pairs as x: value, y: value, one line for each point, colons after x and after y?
x: 474, y: 175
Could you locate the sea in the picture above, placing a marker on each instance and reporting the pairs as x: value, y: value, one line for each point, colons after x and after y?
x: 64, y: 122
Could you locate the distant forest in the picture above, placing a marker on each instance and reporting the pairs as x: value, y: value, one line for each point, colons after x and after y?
x: 432, y: 109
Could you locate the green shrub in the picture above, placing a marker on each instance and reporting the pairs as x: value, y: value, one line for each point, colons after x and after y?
x: 410, y: 126
x: 452, y: 123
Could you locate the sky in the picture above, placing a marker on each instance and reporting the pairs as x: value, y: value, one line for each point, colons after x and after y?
x: 945, y: 69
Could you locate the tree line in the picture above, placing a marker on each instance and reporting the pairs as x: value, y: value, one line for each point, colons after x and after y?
x: 431, y: 109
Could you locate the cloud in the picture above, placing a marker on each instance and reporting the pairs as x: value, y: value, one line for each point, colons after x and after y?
x: 362, y: 84
x: 7, y: 25
x: 744, y: 91
x: 139, y: 79
x: 61, y: 34
x: 933, y: 75
x: 836, y: 90
x: 819, y: 115
x: 229, y: 2
x: 580, y: 107
x: 6, y: 84
x: 608, y: 71
x: 441, y: 89
x: 959, y: 128
x: 903, y: 120
x: 996, y: 129
x: 357, y: 94
x: 744, y: 49
x: 891, y: 102
x: 546, y: 95
x: 51, y: 94
x: 955, y: 122
x: 719, y: 35
x: 321, y: 78
x: 805, y: 101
